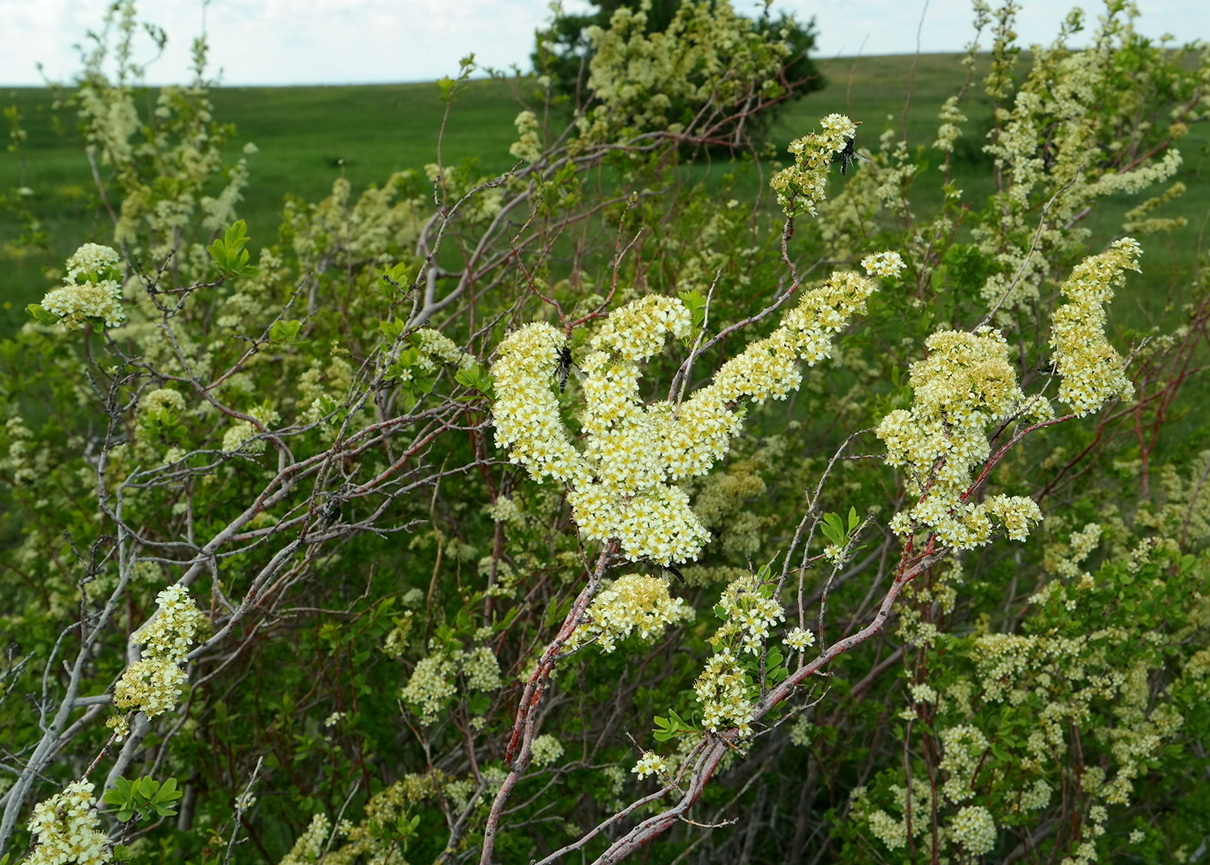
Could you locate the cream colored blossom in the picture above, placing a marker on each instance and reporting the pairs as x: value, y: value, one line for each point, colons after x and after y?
x: 92, y: 289
x: 888, y: 830
x: 722, y: 691
x: 804, y: 184
x: 623, y: 479
x: 889, y: 264
x: 434, y: 681
x: 1090, y: 369
x: 154, y: 683
x: 799, y: 639
x: 974, y: 829
x: 545, y: 750
x: 962, y: 389
x: 67, y: 829
x: 750, y: 610
x: 650, y: 764
x: 963, y: 748
x: 309, y: 848
x: 634, y: 604
x: 528, y: 146
x: 430, y: 687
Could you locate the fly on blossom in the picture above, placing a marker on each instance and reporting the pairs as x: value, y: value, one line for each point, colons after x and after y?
x: 848, y: 156
x: 564, y: 368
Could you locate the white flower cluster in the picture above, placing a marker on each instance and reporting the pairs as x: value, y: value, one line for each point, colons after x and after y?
x: 1080, y: 547
x: 650, y: 763
x: 545, y: 750
x: 634, y: 603
x: 528, y: 146
x: 311, y: 843
x: 708, y: 61
x: 92, y: 289
x: 431, y: 686
x: 974, y: 829
x: 153, y: 684
x: 965, y: 385
x: 750, y: 610
x: 68, y: 829
x: 1090, y: 369
x: 963, y: 748
x: 722, y: 690
x: 436, y: 346
x: 163, y: 401
x: 951, y: 125
x: 241, y: 432
x: 799, y: 639
x: 888, y: 830
x: 623, y: 483
x: 805, y: 183
x: 433, y: 682
x: 888, y: 264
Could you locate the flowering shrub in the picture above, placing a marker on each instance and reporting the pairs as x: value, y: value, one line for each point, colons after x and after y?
x: 468, y: 530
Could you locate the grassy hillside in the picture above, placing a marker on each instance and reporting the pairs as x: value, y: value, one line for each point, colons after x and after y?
x: 308, y: 136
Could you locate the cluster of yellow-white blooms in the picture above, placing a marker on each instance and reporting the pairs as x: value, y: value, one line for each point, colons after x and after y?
x: 92, y: 289
x: 68, y: 828
x: 241, y: 432
x: 636, y: 603
x: 964, y: 748
x: 153, y: 684
x: 528, y: 146
x: 1090, y: 369
x: 650, y: 763
x: 623, y: 482
x: 311, y: 843
x: 749, y: 609
x: 433, y: 681
x: 805, y: 183
x: 545, y: 750
x: 435, y: 348
x: 974, y: 829
x: 723, y: 691
x: 963, y: 387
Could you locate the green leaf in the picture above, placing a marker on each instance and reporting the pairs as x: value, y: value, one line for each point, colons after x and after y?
x: 40, y: 315
x: 396, y: 278
x: 391, y: 329
x: 475, y: 378
x: 228, y: 251
x: 286, y: 330
x: 695, y: 302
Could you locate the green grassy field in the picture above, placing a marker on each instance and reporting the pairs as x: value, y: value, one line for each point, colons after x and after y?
x: 308, y: 136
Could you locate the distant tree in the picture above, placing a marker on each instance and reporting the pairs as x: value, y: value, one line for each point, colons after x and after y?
x: 564, y: 51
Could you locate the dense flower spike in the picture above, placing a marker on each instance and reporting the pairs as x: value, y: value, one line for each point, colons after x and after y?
x: 1090, y: 369
x: 92, y: 289
x: 622, y: 483
x: 433, y: 682
x: 964, y: 387
x: 68, y: 829
x: 636, y: 603
x: 153, y: 684
x: 801, y: 186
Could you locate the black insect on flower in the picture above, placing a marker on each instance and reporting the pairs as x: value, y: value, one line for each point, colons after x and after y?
x: 564, y: 368
x: 848, y: 156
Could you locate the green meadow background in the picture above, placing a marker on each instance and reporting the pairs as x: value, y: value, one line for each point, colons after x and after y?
x: 309, y: 136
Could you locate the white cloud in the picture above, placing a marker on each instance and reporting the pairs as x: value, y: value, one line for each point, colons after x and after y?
x: 362, y: 41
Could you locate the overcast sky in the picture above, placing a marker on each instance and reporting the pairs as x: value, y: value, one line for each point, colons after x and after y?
x: 369, y: 41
